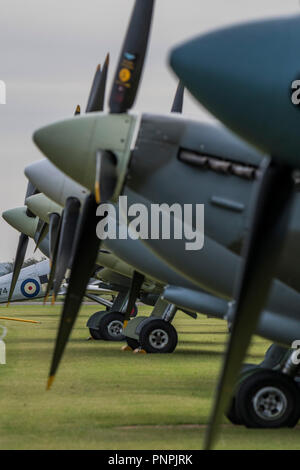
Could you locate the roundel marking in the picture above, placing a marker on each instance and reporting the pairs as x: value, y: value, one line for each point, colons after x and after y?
x: 30, y: 288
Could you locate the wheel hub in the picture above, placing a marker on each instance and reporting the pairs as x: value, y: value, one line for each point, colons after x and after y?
x: 115, y: 328
x: 270, y: 403
x: 158, y: 338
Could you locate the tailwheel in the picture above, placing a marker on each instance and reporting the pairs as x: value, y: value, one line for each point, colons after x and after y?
x: 268, y: 399
x: 158, y: 336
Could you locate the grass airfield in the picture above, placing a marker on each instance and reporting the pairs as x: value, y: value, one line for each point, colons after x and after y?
x: 103, y: 398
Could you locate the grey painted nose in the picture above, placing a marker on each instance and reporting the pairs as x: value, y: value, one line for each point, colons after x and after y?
x: 19, y: 220
x: 243, y: 75
x: 53, y: 183
x: 66, y: 144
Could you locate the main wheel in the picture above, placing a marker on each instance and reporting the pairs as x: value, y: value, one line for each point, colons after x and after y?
x: 232, y: 413
x: 111, y: 327
x: 158, y: 336
x: 94, y: 320
x: 95, y: 334
x: 268, y: 399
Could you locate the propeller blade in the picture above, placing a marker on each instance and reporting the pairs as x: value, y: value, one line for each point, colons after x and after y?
x: 136, y: 284
x: 55, y: 241
x: 131, y: 60
x: 50, y: 279
x: 97, y: 93
x: 102, y: 84
x: 66, y: 239
x: 77, y: 110
x: 106, y: 175
x: 43, y: 232
x: 93, y: 96
x: 19, y: 260
x: 30, y: 191
x: 86, y: 248
x: 22, y: 246
x: 178, y: 99
x: 261, y: 253
x: 54, y: 222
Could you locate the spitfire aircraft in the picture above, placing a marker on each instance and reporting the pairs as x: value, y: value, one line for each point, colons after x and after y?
x: 31, y: 284
x: 255, y: 84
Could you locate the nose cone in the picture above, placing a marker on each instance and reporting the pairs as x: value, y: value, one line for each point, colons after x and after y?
x: 42, y: 174
x: 42, y: 206
x: 19, y: 220
x: 55, y: 184
x: 72, y: 144
x: 66, y: 144
x: 243, y: 75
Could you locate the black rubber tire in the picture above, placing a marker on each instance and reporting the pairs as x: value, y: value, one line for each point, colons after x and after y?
x: 133, y: 343
x: 95, y: 334
x: 233, y: 415
x: 250, y: 387
x: 104, y: 324
x: 149, y: 328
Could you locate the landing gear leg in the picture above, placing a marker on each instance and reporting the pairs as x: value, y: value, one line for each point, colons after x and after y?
x: 108, y: 325
x: 154, y: 334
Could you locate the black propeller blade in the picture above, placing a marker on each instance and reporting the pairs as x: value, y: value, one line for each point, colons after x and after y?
x: 19, y: 260
x: 86, y: 248
x: 93, y: 96
x: 97, y: 93
x: 178, y: 99
x: 54, y: 223
x: 53, y: 259
x: 136, y: 284
x: 262, y: 250
x: 30, y: 190
x: 102, y: 85
x: 22, y: 246
x: 77, y: 110
x: 66, y: 239
x: 131, y: 60
x: 42, y: 234
x: 106, y: 175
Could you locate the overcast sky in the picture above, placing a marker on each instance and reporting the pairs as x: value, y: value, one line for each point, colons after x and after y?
x: 49, y: 50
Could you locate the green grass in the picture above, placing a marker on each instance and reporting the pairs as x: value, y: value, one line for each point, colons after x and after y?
x: 107, y: 399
